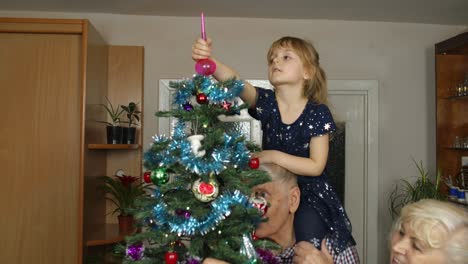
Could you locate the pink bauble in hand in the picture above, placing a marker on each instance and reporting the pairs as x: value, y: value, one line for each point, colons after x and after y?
x: 205, y: 67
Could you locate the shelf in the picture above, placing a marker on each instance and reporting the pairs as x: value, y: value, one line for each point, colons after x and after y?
x: 105, y: 235
x: 463, y: 97
x: 113, y: 146
x: 460, y: 149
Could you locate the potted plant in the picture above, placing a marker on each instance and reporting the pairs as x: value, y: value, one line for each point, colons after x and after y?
x: 113, y: 129
x: 123, y: 191
x: 133, y: 116
x: 406, y: 192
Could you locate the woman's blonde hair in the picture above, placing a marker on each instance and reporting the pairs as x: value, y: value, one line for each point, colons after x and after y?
x: 435, y: 222
x: 315, y: 88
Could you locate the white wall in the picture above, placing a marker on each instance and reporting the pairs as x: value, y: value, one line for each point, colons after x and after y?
x: 398, y: 55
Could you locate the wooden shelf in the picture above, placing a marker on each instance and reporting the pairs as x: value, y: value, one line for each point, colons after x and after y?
x: 113, y: 146
x: 451, y: 61
x: 105, y: 235
x: 462, y: 97
x: 456, y: 149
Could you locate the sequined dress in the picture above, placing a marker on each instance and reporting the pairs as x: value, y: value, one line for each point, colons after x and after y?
x: 320, y: 211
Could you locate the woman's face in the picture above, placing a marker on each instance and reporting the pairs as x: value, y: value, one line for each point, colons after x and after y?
x: 407, y: 247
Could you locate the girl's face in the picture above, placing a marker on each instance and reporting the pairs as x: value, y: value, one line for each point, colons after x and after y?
x: 406, y: 247
x: 286, y: 67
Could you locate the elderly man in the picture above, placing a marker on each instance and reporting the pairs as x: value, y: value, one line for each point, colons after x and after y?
x: 283, y: 196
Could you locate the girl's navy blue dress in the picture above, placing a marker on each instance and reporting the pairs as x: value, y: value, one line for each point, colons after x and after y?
x: 320, y: 211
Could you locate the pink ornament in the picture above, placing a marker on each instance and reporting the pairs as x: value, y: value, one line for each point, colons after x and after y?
x: 205, y: 67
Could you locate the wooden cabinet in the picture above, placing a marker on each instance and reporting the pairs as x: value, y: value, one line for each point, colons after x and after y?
x: 452, y: 103
x: 54, y: 73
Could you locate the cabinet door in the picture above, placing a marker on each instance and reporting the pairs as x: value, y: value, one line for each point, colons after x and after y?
x: 40, y: 147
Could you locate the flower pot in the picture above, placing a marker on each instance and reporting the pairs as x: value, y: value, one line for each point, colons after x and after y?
x: 126, y: 224
x: 114, y: 134
x: 129, y: 135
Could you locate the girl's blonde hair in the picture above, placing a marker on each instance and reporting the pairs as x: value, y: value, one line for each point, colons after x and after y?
x: 315, y: 88
x: 436, y: 222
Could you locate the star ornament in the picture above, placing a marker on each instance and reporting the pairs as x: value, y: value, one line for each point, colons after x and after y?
x: 226, y: 105
x: 326, y: 126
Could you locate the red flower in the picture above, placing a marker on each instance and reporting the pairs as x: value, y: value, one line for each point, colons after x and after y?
x: 127, y: 180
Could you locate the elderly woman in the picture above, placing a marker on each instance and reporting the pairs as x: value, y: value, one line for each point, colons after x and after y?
x: 427, y: 231
x: 432, y: 232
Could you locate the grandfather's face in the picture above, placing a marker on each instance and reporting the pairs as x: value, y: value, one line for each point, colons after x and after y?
x: 408, y: 247
x: 278, y: 208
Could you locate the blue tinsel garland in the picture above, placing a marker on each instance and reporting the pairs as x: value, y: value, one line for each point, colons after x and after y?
x: 221, y: 208
x: 214, y: 90
x: 233, y: 153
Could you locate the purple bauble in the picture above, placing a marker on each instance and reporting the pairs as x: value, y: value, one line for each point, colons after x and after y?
x: 187, y: 214
x: 205, y: 67
x: 188, y: 107
x: 135, y: 251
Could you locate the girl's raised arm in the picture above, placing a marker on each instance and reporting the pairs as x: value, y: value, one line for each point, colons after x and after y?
x: 201, y: 49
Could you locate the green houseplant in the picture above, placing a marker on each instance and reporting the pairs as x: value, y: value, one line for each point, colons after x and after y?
x: 123, y: 191
x: 113, y: 129
x: 133, y: 116
x: 406, y: 192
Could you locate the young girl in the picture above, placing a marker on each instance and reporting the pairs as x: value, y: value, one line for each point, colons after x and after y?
x: 296, y: 123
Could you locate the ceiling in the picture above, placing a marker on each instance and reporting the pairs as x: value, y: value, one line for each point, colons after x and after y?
x: 449, y: 12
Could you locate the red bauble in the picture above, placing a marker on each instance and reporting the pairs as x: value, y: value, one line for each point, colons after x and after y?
x: 254, y: 236
x: 254, y: 163
x: 206, y: 188
x: 147, y: 177
x: 171, y: 258
x: 202, y: 98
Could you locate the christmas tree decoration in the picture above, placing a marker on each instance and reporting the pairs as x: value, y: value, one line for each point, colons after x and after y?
x: 171, y: 257
x: 205, y: 191
x: 254, y: 236
x: 247, y: 249
x: 159, y: 176
x: 226, y: 105
x: 267, y: 257
x: 195, y: 145
x: 135, y: 252
x: 260, y: 203
x: 147, y: 176
x: 188, y: 107
x: 202, y: 98
x: 254, y: 163
x: 184, y: 213
x: 205, y: 67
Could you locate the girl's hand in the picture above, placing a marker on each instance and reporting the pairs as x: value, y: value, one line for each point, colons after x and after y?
x: 306, y: 253
x: 266, y: 156
x: 201, y: 49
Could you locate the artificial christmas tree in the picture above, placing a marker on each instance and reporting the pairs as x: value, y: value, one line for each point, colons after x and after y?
x: 202, y: 176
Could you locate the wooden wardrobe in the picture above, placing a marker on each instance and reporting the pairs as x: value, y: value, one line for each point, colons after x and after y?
x: 54, y: 73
